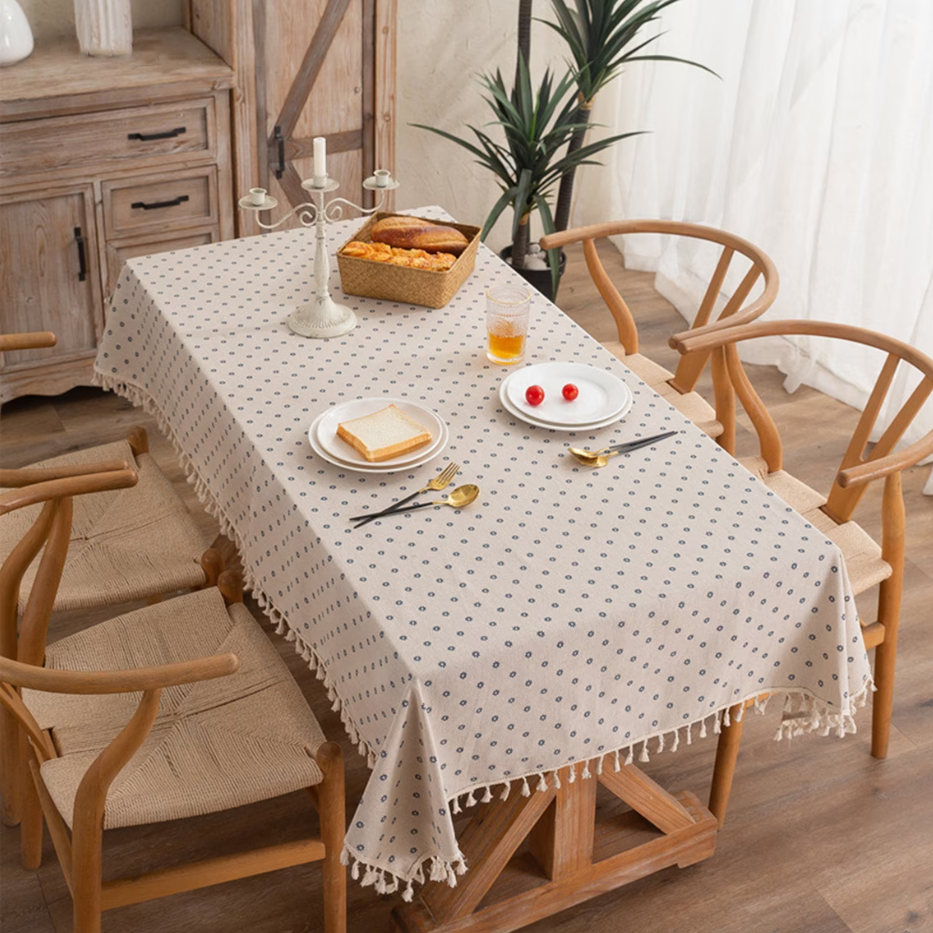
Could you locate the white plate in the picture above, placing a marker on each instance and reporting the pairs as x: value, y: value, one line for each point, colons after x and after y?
x: 374, y: 467
x: 326, y: 431
x: 579, y: 428
x: 602, y: 395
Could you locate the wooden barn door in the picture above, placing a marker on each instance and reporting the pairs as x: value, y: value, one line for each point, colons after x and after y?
x: 305, y: 69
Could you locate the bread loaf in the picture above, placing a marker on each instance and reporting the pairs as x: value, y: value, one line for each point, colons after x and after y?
x: 413, y: 258
x: 384, y: 434
x: 412, y: 233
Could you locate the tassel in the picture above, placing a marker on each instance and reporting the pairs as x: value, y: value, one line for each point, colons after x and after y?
x: 456, y: 805
x: 726, y: 719
x: 542, y: 783
x: 505, y: 793
x: 408, y: 893
x: 618, y: 763
x: 676, y: 744
x: 644, y: 752
x: 573, y: 773
x: 717, y: 724
x: 586, y: 770
x: 526, y: 790
x: 488, y: 795
x: 599, y: 766
x: 689, y: 733
x: 471, y: 800
x: 631, y: 755
x: 661, y: 743
x: 355, y: 870
x: 703, y: 728
x: 555, y: 776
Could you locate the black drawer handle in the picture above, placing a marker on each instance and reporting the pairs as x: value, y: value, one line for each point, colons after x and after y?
x: 82, y: 259
x: 155, y: 205
x: 168, y: 134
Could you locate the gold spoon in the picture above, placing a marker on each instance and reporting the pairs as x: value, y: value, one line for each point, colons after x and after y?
x: 460, y: 497
x: 599, y: 458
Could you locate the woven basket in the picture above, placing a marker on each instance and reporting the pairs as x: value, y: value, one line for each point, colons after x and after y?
x: 371, y: 279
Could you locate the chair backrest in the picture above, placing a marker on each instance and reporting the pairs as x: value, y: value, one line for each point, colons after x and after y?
x: 859, y: 465
x: 34, y: 340
x: 734, y: 309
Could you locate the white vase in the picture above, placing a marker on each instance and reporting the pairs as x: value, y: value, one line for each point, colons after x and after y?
x: 15, y: 34
x: 104, y: 27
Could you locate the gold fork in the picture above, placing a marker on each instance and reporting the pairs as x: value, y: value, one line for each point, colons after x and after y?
x: 441, y: 481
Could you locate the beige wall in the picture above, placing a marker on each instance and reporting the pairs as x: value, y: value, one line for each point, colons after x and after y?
x: 51, y: 18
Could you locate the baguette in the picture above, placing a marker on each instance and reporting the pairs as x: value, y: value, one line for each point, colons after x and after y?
x: 384, y: 434
x: 412, y: 233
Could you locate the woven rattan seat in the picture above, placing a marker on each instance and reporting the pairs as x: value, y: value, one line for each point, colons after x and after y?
x: 211, y: 746
x: 126, y: 544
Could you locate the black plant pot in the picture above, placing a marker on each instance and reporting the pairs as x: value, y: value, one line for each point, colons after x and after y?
x: 538, y: 278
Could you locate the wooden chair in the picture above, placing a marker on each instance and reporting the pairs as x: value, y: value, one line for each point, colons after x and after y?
x: 127, y: 545
x: 178, y: 709
x: 867, y: 563
x: 678, y: 388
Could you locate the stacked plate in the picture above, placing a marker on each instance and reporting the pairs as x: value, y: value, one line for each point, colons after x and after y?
x: 602, y: 398
x: 326, y: 444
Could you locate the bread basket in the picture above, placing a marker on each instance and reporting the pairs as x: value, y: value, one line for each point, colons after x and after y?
x: 371, y: 279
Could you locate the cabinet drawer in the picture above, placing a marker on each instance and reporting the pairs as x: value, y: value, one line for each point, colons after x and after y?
x: 118, y: 253
x: 163, y: 133
x: 155, y: 203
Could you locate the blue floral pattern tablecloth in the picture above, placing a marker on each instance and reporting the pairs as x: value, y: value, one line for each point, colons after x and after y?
x: 569, y: 621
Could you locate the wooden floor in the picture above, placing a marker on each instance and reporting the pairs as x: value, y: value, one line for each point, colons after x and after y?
x: 821, y: 838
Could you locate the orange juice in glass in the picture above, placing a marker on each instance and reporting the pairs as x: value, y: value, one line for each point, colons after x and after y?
x: 507, y: 308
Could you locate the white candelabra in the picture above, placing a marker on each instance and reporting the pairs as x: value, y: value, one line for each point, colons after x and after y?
x: 324, y: 317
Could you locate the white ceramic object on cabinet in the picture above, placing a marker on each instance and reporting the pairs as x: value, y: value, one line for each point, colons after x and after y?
x: 15, y: 35
x: 104, y: 27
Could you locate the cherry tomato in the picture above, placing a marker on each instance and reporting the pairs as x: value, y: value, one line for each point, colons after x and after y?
x: 534, y: 395
x: 570, y: 391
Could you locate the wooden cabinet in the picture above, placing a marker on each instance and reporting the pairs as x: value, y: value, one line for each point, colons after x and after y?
x: 315, y: 68
x: 102, y: 159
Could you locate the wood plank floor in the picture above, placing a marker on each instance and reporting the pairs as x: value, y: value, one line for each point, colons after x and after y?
x: 821, y: 838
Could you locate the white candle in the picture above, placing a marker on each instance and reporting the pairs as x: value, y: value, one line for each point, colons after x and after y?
x: 320, y: 157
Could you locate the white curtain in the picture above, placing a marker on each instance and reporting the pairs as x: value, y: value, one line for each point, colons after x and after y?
x: 816, y: 144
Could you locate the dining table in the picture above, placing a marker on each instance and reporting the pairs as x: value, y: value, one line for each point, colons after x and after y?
x: 502, y: 660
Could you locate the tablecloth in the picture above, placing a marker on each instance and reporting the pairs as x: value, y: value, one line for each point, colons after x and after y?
x: 570, y: 619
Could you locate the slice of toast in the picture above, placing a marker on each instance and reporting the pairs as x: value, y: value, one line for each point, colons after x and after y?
x: 384, y: 434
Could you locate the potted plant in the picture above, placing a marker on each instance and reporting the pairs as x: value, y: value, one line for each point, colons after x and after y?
x: 538, y: 124
x: 545, y: 127
x: 601, y: 36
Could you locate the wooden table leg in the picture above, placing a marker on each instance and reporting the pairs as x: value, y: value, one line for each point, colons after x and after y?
x: 573, y: 865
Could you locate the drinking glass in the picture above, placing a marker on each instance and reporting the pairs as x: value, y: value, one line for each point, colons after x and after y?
x: 507, y: 308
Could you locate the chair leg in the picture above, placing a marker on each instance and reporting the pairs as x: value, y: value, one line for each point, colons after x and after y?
x: 727, y: 753
x: 86, y: 865
x: 889, y: 613
x: 885, y: 657
x: 11, y: 777
x: 30, y: 829
x: 332, y: 810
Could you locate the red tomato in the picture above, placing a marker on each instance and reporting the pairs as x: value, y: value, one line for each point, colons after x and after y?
x: 534, y: 395
x: 570, y: 391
